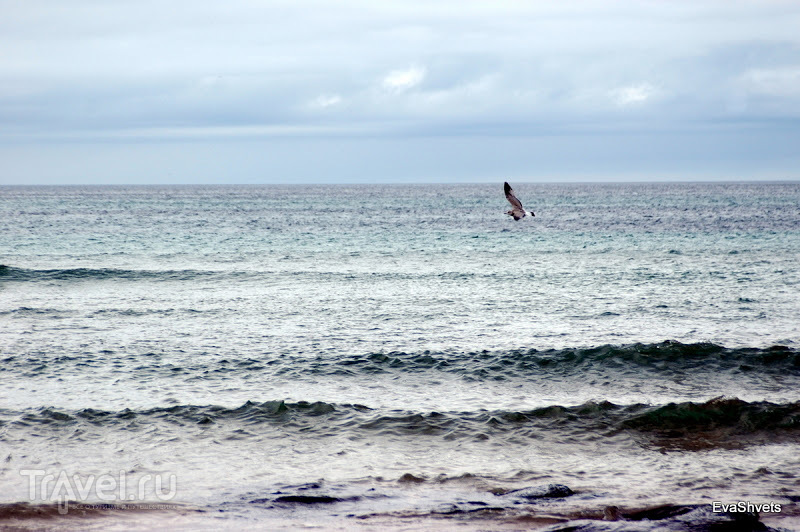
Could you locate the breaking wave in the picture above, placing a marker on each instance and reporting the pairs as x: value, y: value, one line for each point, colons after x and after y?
x: 717, y: 422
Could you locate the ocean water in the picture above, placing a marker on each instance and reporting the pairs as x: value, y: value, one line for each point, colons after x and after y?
x: 401, y: 356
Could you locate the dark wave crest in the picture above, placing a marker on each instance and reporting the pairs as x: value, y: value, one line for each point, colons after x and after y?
x: 501, y: 364
x: 8, y: 273
x: 667, y: 359
x: 718, y: 422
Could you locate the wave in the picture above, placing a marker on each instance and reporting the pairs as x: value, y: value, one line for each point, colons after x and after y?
x: 9, y: 273
x: 663, y: 356
x: 666, y: 359
x: 686, y: 425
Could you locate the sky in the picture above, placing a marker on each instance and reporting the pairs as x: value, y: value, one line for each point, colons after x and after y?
x: 304, y: 91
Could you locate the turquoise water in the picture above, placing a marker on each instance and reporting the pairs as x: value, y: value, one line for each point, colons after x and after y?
x: 250, y: 338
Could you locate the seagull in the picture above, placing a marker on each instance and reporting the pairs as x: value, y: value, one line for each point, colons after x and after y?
x: 516, y: 206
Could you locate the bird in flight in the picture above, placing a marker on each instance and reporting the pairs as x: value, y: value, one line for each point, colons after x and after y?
x: 516, y: 205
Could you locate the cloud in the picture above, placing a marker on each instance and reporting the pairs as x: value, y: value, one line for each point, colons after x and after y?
x: 398, y: 81
x: 402, y: 71
x: 633, y: 94
x: 127, y: 65
x: 326, y: 101
x: 781, y: 82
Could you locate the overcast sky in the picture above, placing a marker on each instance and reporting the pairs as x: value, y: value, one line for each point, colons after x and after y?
x: 247, y: 91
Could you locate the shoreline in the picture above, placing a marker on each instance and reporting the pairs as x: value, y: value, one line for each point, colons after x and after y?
x: 308, y: 512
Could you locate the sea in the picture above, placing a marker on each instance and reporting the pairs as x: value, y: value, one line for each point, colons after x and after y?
x: 400, y: 357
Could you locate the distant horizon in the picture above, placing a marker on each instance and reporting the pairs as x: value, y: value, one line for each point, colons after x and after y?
x: 419, y: 183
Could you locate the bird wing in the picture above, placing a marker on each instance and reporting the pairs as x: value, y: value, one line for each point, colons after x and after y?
x: 512, y: 199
